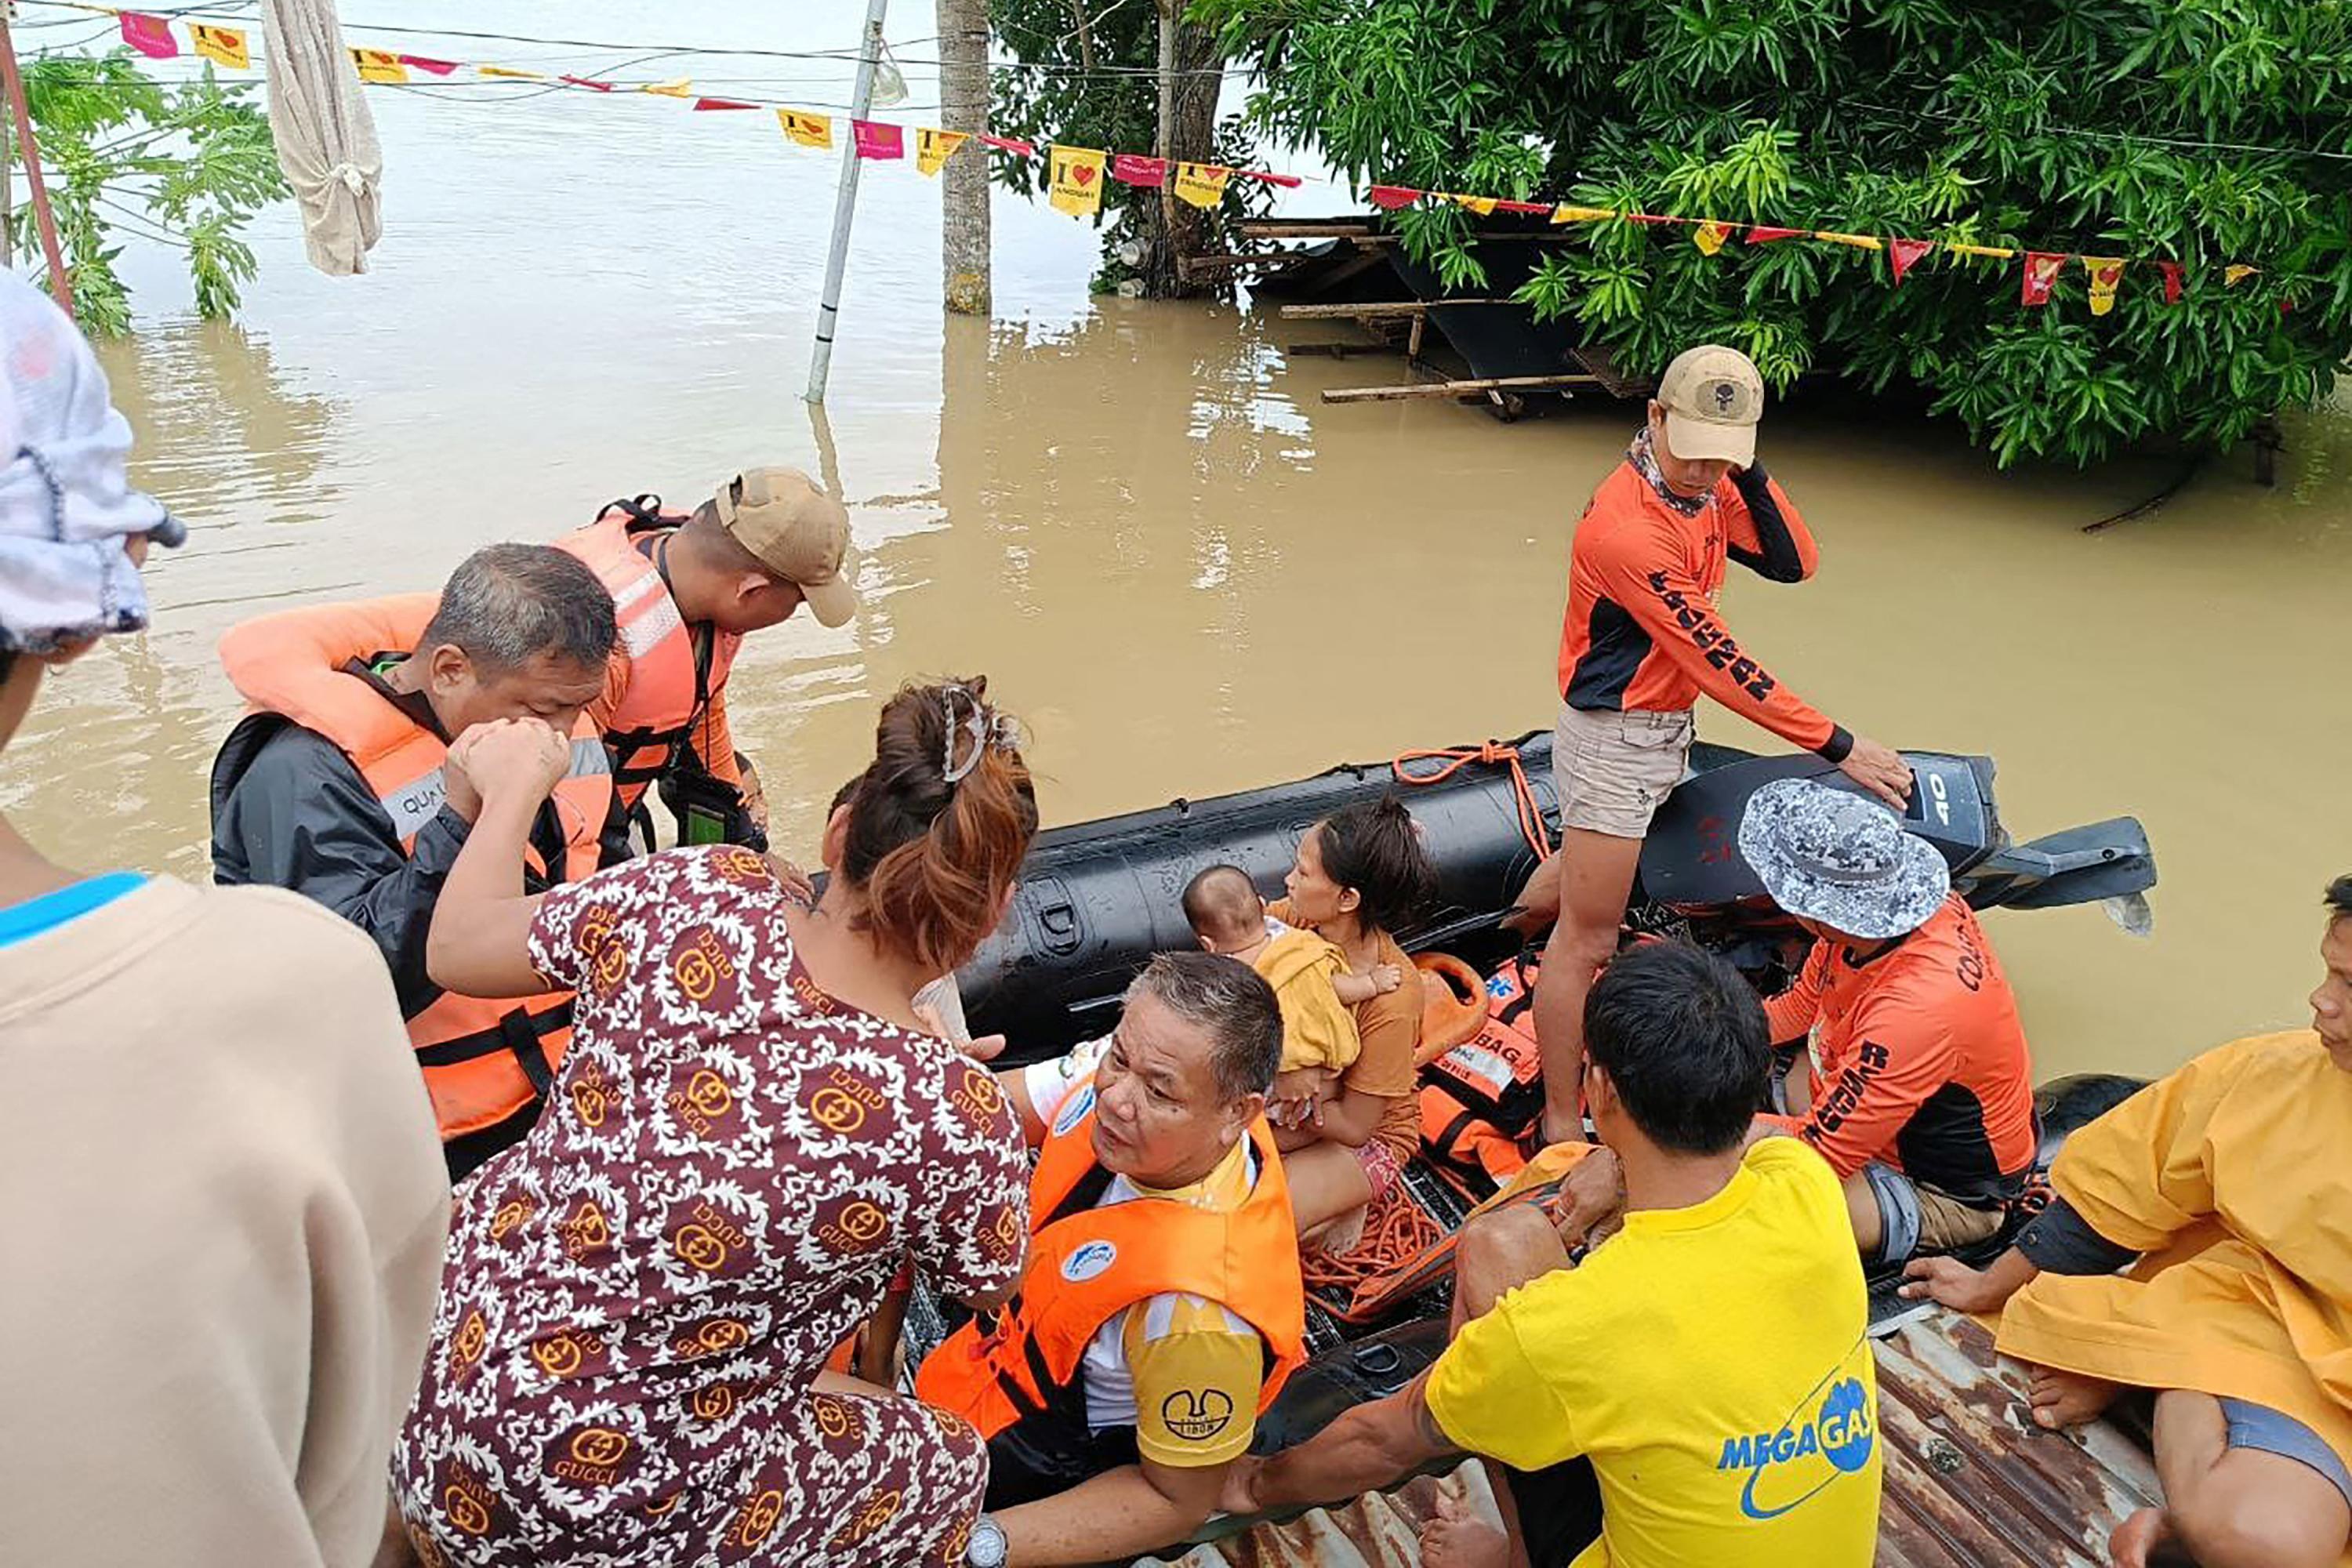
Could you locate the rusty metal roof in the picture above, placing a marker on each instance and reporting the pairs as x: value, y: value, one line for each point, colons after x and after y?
x: 1971, y: 1481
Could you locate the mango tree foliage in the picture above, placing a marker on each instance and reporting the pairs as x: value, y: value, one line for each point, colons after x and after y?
x: 2206, y: 132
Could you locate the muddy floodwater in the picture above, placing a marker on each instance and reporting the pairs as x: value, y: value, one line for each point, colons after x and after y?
x: 1187, y: 575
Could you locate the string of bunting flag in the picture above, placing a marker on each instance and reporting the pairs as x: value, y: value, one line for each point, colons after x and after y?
x: 1076, y: 175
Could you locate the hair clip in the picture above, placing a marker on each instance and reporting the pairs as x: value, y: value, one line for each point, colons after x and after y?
x: 983, y: 728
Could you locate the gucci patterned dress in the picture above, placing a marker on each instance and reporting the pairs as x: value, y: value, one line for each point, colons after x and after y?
x: 640, y: 1295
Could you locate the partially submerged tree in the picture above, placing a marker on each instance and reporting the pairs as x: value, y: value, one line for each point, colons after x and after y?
x: 1092, y: 74
x: 2206, y: 132
x: 185, y: 164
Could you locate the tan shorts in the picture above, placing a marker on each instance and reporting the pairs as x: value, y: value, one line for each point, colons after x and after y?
x: 1914, y: 1218
x: 1615, y: 770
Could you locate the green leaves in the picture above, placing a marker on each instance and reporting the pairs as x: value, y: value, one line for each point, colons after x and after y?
x: 185, y: 165
x: 2093, y: 127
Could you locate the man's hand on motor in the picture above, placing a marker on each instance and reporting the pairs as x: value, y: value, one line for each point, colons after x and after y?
x: 1590, y: 1204
x: 1880, y: 770
x: 509, y: 757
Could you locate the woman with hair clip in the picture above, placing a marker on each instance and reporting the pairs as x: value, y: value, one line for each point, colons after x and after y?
x: 752, y: 1128
x: 1359, y: 873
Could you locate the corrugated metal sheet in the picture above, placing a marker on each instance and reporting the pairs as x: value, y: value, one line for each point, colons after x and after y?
x: 1971, y: 1481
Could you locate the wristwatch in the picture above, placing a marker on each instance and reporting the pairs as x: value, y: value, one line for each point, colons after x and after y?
x: 987, y: 1548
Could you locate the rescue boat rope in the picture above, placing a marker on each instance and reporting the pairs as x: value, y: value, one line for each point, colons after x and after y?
x: 1494, y: 753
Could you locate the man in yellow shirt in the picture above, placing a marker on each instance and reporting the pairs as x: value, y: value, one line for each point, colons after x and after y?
x: 1710, y: 1359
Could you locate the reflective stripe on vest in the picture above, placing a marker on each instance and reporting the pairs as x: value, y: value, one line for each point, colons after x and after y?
x: 1088, y: 1264
x: 483, y: 1059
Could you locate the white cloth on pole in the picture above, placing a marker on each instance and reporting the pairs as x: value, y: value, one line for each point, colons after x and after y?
x: 325, y: 134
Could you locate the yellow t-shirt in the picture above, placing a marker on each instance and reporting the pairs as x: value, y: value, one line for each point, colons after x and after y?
x: 1712, y: 1363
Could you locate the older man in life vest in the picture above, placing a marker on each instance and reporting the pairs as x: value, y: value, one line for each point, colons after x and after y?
x: 688, y: 588
x: 1162, y: 1306
x: 334, y: 786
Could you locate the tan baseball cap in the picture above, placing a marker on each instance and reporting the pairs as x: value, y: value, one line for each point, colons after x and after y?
x: 798, y: 531
x: 1713, y: 398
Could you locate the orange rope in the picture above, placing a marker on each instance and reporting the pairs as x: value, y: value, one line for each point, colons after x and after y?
x: 1494, y: 753
x: 1398, y: 1231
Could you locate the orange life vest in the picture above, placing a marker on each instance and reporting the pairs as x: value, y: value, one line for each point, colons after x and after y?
x: 665, y: 691
x: 1087, y: 1264
x: 483, y: 1059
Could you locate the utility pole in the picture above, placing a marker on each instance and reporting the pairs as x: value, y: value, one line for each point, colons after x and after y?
x: 963, y: 195
x: 13, y: 81
x: 845, y: 204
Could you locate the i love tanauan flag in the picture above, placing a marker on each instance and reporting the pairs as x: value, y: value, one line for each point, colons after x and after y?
x: 380, y: 65
x: 1202, y: 185
x: 1709, y: 237
x: 1483, y: 205
x: 808, y: 130
x: 934, y: 147
x: 508, y: 73
x: 1388, y: 198
x: 2041, y: 271
x: 1567, y: 213
x: 875, y: 140
x: 151, y: 35
x: 2237, y: 272
x: 2106, y: 276
x: 1764, y: 234
x: 1904, y: 253
x: 1075, y: 180
x: 429, y: 65
x: 2171, y: 270
x: 682, y: 88
x: 1133, y: 169
x: 224, y: 46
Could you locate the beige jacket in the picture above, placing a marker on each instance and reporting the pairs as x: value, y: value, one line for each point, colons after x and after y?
x: 222, y: 1212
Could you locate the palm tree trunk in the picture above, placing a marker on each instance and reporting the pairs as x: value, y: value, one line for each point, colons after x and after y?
x: 963, y: 191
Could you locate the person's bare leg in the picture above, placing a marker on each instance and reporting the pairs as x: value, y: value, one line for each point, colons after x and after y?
x: 2232, y: 1507
x: 1325, y: 1180
x: 1538, y: 904
x: 1862, y: 1211
x: 1596, y: 879
x: 1500, y: 1251
x: 1455, y: 1537
x: 2062, y: 1399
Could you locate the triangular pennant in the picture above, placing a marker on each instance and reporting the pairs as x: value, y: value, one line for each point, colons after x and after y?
x: 1134, y: 169
x: 717, y: 105
x: 808, y: 130
x: 2106, y: 276
x: 1709, y: 237
x: 1859, y: 241
x: 1201, y: 185
x: 2041, y: 271
x: 430, y: 65
x: 225, y: 46
x: 934, y: 147
x: 1074, y: 183
x: 1388, y: 198
x: 1268, y: 177
x: 1568, y: 213
x: 507, y: 73
x: 2237, y: 272
x: 1013, y: 144
x: 2171, y: 270
x: 1905, y: 254
x: 1989, y: 252
x: 877, y: 140
x: 682, y: 88
x: 1764, y: 234
x: 1483, y: 205
x: 1653, y: 218
x: 151, y: 35
x: 1539, y: 208
x: 380, y: 65
x: 590, y: 82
